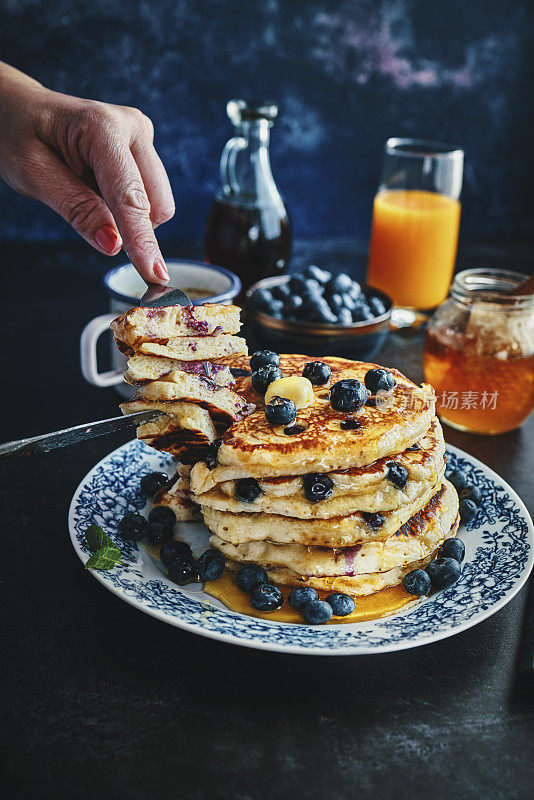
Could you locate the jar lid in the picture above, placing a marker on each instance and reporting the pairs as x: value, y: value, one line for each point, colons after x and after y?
x: 489, y: 285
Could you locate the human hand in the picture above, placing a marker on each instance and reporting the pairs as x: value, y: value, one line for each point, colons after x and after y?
x: 94, y: 163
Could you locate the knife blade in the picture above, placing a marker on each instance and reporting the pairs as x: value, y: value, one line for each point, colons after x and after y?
x: 79, y: 433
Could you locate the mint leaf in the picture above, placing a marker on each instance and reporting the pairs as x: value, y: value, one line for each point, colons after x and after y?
x: 96, y: 538
x: 105, y: 558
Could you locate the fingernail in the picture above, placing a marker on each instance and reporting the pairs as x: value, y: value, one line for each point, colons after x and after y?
x: 107, y: 237
x: 160, y: 271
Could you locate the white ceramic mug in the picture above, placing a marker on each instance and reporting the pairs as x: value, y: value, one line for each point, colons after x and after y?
x: 125, y: 287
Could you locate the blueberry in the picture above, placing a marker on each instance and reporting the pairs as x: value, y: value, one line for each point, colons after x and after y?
x: 340, y: 283
x: 250, y: 576
x: 377, y: 306
x: 467, y: 511
x: 164, y: 515
x: 452, y: 548
x: 264, y: 376
x: 342, y: 604
x: 281, y: 291
x: 374, y: 520
x: 153, y: 482
x: 312, y: 288
x: 417, y: 582
x: 348, y: 302
x: 261, y: 358
x: 238, y: 372
x: 266, y: 597
x: 175, y: 549
x: 210, y: 565
x: 335, y: 301
x: 397, y: 475
x: 292, y: 306
x: 316, y: 309
x: 317, y: 486
x: 262, y: 298
x: 444, y: 572
x: 133, y: 526
x: 317, y: 372
x: 317, y: 274
x: 183, y: 570
x: 348, y: 395
x: 458, y: 478
x: 344, y: 317
x: 294, y: 430
x: 247, y: 490
x: 299, y: 597
x: 316, y: 612
x: 212, y: 453
x: 355, y: 291
x: 350, y: 424
x: 297, y: 283
x: 280, y: 411
x: 379, y: 380
x: 362, y: 314
x: 472, y: 493
x: 159, y: 533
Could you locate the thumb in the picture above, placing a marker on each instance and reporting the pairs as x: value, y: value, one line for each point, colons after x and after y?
x: 53, y: 183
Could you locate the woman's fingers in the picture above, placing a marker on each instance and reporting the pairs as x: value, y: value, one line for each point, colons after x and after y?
x: 152, y: 171
x: 49, y: 180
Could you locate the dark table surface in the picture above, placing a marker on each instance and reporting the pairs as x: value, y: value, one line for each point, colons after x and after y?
x: 100, y: 700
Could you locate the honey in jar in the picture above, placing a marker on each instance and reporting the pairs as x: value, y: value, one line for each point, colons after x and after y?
x: 479, y: 353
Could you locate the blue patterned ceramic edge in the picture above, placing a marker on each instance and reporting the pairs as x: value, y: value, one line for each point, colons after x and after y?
x: 499, y: 558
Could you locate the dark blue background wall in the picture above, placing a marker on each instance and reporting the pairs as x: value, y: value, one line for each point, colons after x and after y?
x: 347, y: 74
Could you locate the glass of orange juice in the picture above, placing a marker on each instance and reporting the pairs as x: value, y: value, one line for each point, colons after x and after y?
x: 416, y: 218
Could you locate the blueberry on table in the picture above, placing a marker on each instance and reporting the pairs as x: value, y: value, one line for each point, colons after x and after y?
x: 163, y: 514
x: 262, y: 298
x: 377, y: 306
x: 340, y: 283
x: 250, y: 576
x: 264, y: 376
x: 373, y: 519
x: 341, y: 604
x: 317, y: 274
x: 174, y: 549
x: 444, y: 572
x: 212, y: 454
x: 261, y: 358
x: 153, y: 482
x: 458, y: 478
x: 397, y: 475
x: 266, y: 597
x: 183, y: 570
x: 316, y: 612
x: 280, y: 411
x: 247, y: 490
x: 292, y: 306
x: 159, y: 533
x: 317, y: 486
x: 467, y: 511
x: 210, y: 565
x: 348, y: 395
x: 317, y: 372
x: 452, y: 548
x: 344, y: 317
x: 417, y: 582
x: 299, y: 597
x: 133, y: 526
x: 379, y: 380
x: 472, y: 493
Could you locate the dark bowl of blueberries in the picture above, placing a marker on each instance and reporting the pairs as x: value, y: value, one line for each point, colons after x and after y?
x: 317, y: 312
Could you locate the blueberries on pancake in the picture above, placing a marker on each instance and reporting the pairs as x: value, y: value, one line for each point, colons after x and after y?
x: 250, y: 576
x: 210, y: 565
x: 247, y: 490
x: 299, y: 597
x: 294, y: 430
x: 374, y: 520
x: 133, y: 526
x: 348, y: 395
x: 379, y: 380
x: 316, y: 612
x: 264, y: 376
x: 444, y: 572
x: 452, y: 548
x: 317, y: 486
x: 212, y: 453
x: 342, y: 604
x: 263, y: 357
x: 153, y: 482
x: 350, y: 424
x: 239, y: 372
x: 183, y: 570
x: 266, y: 597
x: 317, y: 372
x: 175, y: 549
x: 397, y: 475
x: 417, y: 582
x: 164, y: 515
x: 280, y: 411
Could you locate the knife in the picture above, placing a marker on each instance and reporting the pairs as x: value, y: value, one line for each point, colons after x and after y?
x: 89, y: 430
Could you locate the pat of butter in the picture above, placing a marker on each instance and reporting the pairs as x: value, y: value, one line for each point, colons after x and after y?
x: 293, y: 388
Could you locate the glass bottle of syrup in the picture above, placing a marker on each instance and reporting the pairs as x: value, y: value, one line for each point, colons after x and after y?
x: 248, y: 227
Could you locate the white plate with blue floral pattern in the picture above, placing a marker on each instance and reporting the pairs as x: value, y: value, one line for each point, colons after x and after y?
x: 499, y: 556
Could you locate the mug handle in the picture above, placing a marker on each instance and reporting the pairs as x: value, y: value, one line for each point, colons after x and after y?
x: 90, y: 335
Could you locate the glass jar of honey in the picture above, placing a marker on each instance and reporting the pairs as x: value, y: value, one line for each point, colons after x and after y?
x: 479, y: 352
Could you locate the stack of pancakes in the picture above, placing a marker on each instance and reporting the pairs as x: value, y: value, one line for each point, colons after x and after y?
x: 179, y: 360
x: 369, y: 531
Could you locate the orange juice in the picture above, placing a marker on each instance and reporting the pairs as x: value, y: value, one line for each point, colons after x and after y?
x: 413, y: 246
